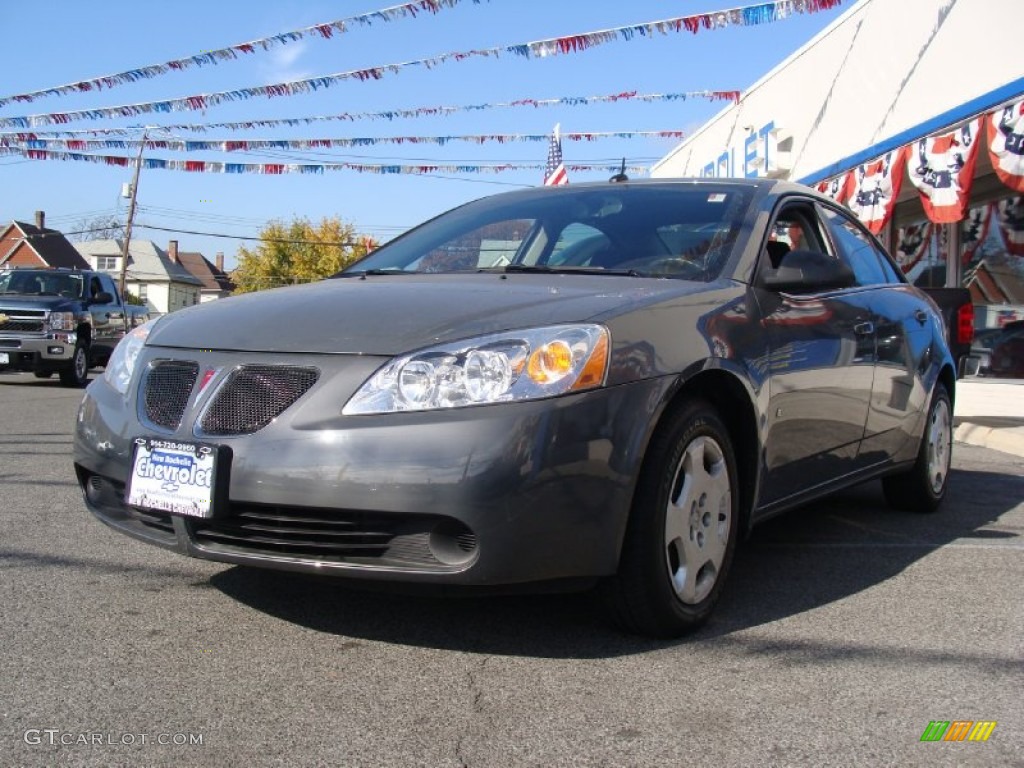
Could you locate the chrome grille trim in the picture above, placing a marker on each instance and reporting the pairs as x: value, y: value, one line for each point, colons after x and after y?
x: 23, y: 321
x: 252, y: 396
x: 166, y: 389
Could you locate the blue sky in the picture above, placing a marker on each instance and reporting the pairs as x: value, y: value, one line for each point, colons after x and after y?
x: 61, y: 41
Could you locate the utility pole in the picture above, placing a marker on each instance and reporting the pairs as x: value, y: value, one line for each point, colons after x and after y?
x: 128, y: 229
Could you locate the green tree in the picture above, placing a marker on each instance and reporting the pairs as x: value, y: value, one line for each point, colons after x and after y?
x: 298, y: 252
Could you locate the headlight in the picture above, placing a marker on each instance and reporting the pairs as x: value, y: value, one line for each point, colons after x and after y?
x: 62, y: 321
x: 517, y: 365
x: 121, y: 365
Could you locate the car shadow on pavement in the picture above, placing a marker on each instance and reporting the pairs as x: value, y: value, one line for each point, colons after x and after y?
x: 797, y: 562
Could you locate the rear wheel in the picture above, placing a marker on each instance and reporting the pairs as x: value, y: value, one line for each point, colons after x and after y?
x: 682, y: 530
x: 77, y: 374
x: 923, y: 486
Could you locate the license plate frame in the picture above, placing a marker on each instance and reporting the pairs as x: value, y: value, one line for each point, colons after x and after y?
x: 183, y: 478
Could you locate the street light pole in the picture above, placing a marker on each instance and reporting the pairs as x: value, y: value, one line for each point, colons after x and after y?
x: 128, y: 230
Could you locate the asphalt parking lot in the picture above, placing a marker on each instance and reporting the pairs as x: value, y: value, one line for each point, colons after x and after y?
x: 845, y: 630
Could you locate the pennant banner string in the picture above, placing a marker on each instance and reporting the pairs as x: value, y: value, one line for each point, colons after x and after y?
x: 390, y: 115
x: 745, y: 16
x: 326, y: 30
x: 203, y: 166
x: 227, y: 145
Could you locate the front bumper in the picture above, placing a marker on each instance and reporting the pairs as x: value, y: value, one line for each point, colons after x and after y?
x: 500, y: 494
x: 34, y: 353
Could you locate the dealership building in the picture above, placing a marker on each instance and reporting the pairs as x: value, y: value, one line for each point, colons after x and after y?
x: 910, y: 112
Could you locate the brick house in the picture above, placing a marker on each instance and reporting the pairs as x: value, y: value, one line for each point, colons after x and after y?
x: 216, y: 283
x: 33, y: 245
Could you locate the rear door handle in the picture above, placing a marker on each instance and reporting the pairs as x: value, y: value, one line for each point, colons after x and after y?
x: 864, y: 329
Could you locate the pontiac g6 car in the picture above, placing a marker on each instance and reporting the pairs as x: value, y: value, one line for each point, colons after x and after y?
x: 601, y: 385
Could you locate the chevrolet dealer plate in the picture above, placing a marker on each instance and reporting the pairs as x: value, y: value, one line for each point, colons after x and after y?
x: 172, y: 476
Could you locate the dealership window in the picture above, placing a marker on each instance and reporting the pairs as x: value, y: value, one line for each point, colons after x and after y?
x: 922, y: 251
x: 992, y: 254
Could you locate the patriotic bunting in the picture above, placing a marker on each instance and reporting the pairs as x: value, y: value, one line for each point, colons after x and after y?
x: 876, y: 185
x: 1006, y: 144
x: 838, y: 187
x: 202, y: 166
x: 746, y: 16
x: 1011, y: 223
x: 390, y: 115
x: 913, y: 242
x: 942, y: 168
x: 225, y: 145
x: 326, y: 31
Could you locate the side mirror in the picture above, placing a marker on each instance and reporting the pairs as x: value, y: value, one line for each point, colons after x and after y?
x: 808, y: 272
x: 103, y: 298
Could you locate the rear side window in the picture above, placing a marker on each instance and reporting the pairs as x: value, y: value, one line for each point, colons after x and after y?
x: 857, y: 250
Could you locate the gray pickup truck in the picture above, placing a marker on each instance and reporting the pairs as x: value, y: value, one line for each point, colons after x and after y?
x: 61, y: 321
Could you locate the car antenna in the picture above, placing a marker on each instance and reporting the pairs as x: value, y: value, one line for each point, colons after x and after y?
x: 621, y: 175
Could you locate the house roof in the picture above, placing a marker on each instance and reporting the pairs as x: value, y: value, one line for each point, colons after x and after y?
x: 50, y: 245
x: 213, y: 279
x: 147, y: 262
x: 995, y: 284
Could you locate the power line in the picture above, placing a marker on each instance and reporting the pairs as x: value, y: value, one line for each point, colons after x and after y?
x: 344, y: 244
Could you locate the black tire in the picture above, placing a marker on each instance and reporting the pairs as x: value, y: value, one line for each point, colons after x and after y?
x: 656, y: 592
x: 42, y: 374
x: 923, y: 486
x: 76, y: 374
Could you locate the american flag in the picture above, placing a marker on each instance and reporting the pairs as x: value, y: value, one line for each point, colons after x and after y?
x: 554, y: 170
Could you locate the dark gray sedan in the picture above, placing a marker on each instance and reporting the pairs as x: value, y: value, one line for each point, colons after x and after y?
x: 601, y: 384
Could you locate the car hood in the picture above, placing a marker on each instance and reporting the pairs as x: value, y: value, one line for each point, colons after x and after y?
x: 393, y: 314
x: 18, y: 301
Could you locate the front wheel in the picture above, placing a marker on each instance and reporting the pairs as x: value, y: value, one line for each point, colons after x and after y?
x: 76, y: 374
x: 682, y: 529
x: 923, y: 486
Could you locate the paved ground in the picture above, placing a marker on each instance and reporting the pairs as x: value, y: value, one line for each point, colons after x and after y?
x: 845, y: 630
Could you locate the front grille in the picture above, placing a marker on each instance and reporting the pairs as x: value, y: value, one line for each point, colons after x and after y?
x: 253, y: 396
x: 26, y: 321
x: 166, y: 390
x: 330, y: 535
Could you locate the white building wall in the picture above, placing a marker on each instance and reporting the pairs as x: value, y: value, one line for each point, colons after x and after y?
x: 881, y: 69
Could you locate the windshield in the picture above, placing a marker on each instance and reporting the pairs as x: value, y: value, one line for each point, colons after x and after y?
x: 38, y: 282
x: 670, y: 230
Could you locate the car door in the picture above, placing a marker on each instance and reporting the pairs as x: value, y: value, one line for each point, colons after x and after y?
x: 902, y: 319
x: 107, y: 316
x: 821, y: 361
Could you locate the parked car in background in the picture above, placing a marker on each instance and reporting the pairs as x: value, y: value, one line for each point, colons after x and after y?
x: 648, y: 370
x: 61, y: 321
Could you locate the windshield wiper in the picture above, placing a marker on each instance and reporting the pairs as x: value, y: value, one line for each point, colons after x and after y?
x: 567, y: 270
x: 365, y: 272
